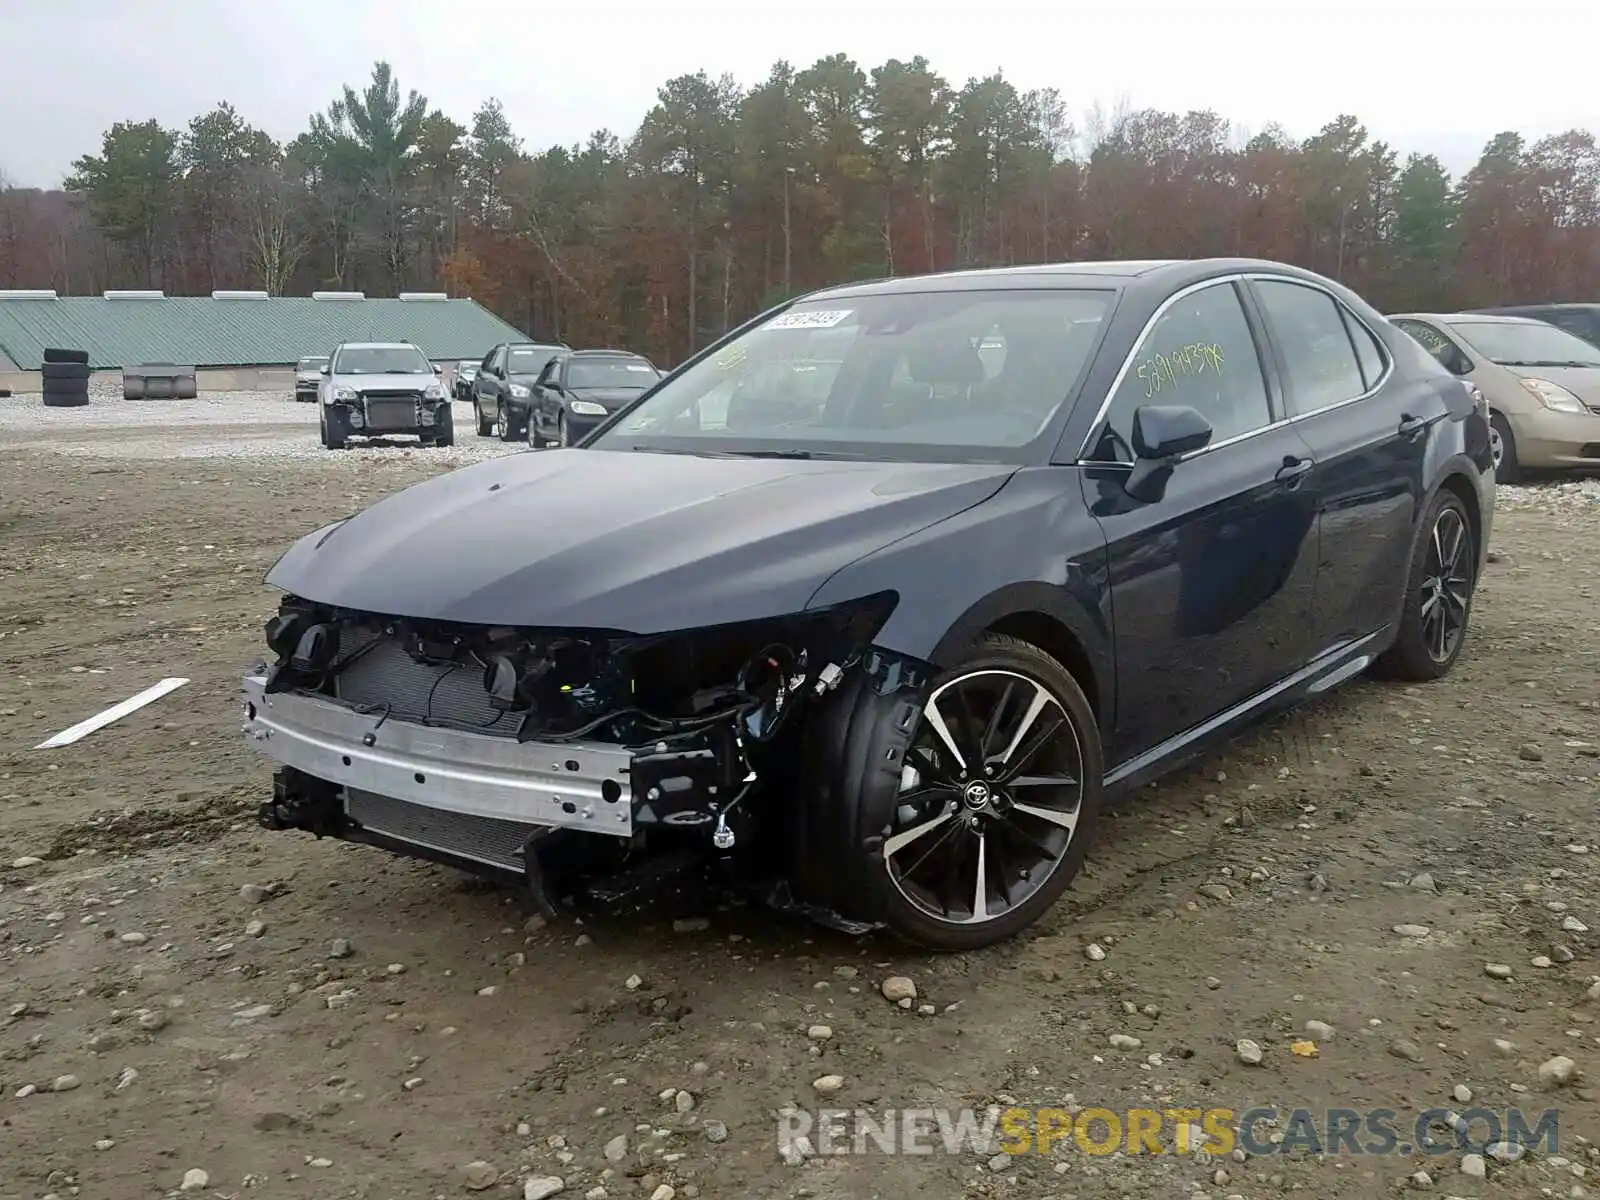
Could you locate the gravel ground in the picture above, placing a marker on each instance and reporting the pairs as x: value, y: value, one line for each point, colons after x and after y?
x: 1391, y: 895
x: 226, y: 425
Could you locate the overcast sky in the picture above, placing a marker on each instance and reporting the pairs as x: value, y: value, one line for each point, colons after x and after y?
x: 1421, y: 74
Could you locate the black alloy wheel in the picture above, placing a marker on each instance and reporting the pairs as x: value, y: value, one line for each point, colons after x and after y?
x: 1446, y: 586
x: 998, y: 794
x: 1438, y: 601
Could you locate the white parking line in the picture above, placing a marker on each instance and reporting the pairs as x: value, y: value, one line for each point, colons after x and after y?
x: 115, y: 713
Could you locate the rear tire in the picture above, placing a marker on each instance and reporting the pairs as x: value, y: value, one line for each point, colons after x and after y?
x: 485, y: 428
x: 1439, y: 590
x: 1504, y: 447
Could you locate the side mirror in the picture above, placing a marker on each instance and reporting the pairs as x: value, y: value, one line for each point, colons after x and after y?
x: 437, y: 369
x: 323, y: 369
x: 1162, y: 434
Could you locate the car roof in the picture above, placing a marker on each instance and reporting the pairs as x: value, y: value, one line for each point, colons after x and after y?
x: 1520, y: 308
x: 377, y: 346
x: 1152, y: 275
x: 1478, y: 317
x: 605, y: 354
x: 536, y: 345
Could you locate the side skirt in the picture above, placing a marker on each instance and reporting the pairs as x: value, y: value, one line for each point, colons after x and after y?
x: 1322, y: 674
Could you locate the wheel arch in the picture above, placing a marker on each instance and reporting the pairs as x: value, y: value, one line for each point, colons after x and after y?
x: 1044, y: 616
x: 1459, y: 485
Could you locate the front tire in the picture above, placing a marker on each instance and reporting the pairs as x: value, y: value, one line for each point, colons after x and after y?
x: 505, y: 424
x: 1503, y: 445
x: 563, y: 434
x: 444, y: 432
x: 485, y: 428
x: 333, y: 430
x: 999, y: 796
x: 1439, y: 587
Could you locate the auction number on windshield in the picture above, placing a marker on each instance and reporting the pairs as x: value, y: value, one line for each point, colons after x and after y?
x: 825, y: 319
x: 1163, y: 372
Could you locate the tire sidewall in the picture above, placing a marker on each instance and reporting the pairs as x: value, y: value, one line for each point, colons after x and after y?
x: 1010, y: 655
x: 1507, y: 470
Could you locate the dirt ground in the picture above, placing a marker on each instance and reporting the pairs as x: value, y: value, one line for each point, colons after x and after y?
x: 183, y: 992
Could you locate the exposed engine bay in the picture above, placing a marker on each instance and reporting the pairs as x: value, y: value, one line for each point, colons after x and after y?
x: 504, y: 750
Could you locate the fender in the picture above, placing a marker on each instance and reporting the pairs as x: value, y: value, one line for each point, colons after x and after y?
x: 1035, y: 530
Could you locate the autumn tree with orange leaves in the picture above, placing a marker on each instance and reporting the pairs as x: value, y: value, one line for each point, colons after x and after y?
x: 727, y: 199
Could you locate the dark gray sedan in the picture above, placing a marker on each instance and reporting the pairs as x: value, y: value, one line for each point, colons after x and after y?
x: 577, y: 391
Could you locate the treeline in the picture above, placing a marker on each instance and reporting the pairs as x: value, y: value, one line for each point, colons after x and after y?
x: 726, y: 200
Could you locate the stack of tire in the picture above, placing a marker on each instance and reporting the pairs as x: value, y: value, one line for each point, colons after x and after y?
x: 66, y: 378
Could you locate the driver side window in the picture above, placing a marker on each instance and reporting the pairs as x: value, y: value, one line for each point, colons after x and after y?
x: 1199, y: 353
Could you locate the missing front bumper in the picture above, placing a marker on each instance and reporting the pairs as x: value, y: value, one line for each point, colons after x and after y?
x: 568, y: 785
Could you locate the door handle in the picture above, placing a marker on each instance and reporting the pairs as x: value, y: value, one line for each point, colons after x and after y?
x: 1293, y: 470
x: 1411, y: 426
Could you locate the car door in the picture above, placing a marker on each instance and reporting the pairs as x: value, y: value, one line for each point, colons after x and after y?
x: 486, y: 387
x: 1211, y: 585
x: 1368, y: 431
x: 546, y: 398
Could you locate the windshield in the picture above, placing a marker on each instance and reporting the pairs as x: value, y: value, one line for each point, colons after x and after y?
x: 529, y: 360
x: 382, y: 360
x: 935, y: 376
x: 314, y: 363
x: 1513, y: 344
x: 610, y: 373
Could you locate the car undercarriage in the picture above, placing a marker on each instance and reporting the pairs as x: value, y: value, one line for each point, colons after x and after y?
x: 584, y: 766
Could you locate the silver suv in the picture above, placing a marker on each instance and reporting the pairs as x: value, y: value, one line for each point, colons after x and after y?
x: 372, y: 389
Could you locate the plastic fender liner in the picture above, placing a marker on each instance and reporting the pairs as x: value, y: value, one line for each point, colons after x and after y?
x: 854, y: 751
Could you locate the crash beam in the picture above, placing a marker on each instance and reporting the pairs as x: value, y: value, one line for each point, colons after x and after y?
x: 569, y: 785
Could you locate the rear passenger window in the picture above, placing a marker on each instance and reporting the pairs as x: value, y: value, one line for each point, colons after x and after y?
x: 1199, y: 353
x: 1319, y: 357
x: 1370, y: 354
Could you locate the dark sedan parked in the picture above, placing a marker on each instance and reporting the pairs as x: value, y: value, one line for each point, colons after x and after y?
x: 577, y: 391
x: 504, y: 383
x: 970, y: 554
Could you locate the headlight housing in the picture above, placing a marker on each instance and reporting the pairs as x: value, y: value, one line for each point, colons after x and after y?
x: 520, y: 391
x: 434, y: 391
x: 588, y: 408
x: 1553, y: 396
x: 344, y: 393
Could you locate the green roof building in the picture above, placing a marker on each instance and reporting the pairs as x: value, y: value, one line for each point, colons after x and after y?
x: 237, y: 329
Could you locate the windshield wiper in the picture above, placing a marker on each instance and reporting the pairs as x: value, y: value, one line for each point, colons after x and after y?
x: 772, y: 453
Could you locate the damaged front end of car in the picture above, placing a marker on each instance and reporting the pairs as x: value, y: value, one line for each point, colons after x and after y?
x: 585, y: 765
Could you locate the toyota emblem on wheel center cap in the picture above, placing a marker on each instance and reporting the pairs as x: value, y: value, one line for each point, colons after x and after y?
x: 976, y: 794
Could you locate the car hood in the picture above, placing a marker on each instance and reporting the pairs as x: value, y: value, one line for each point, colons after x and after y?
x: 1582, y: 382
x: 384, y: 383
x: 631, y: 541
x: 612, y: 398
